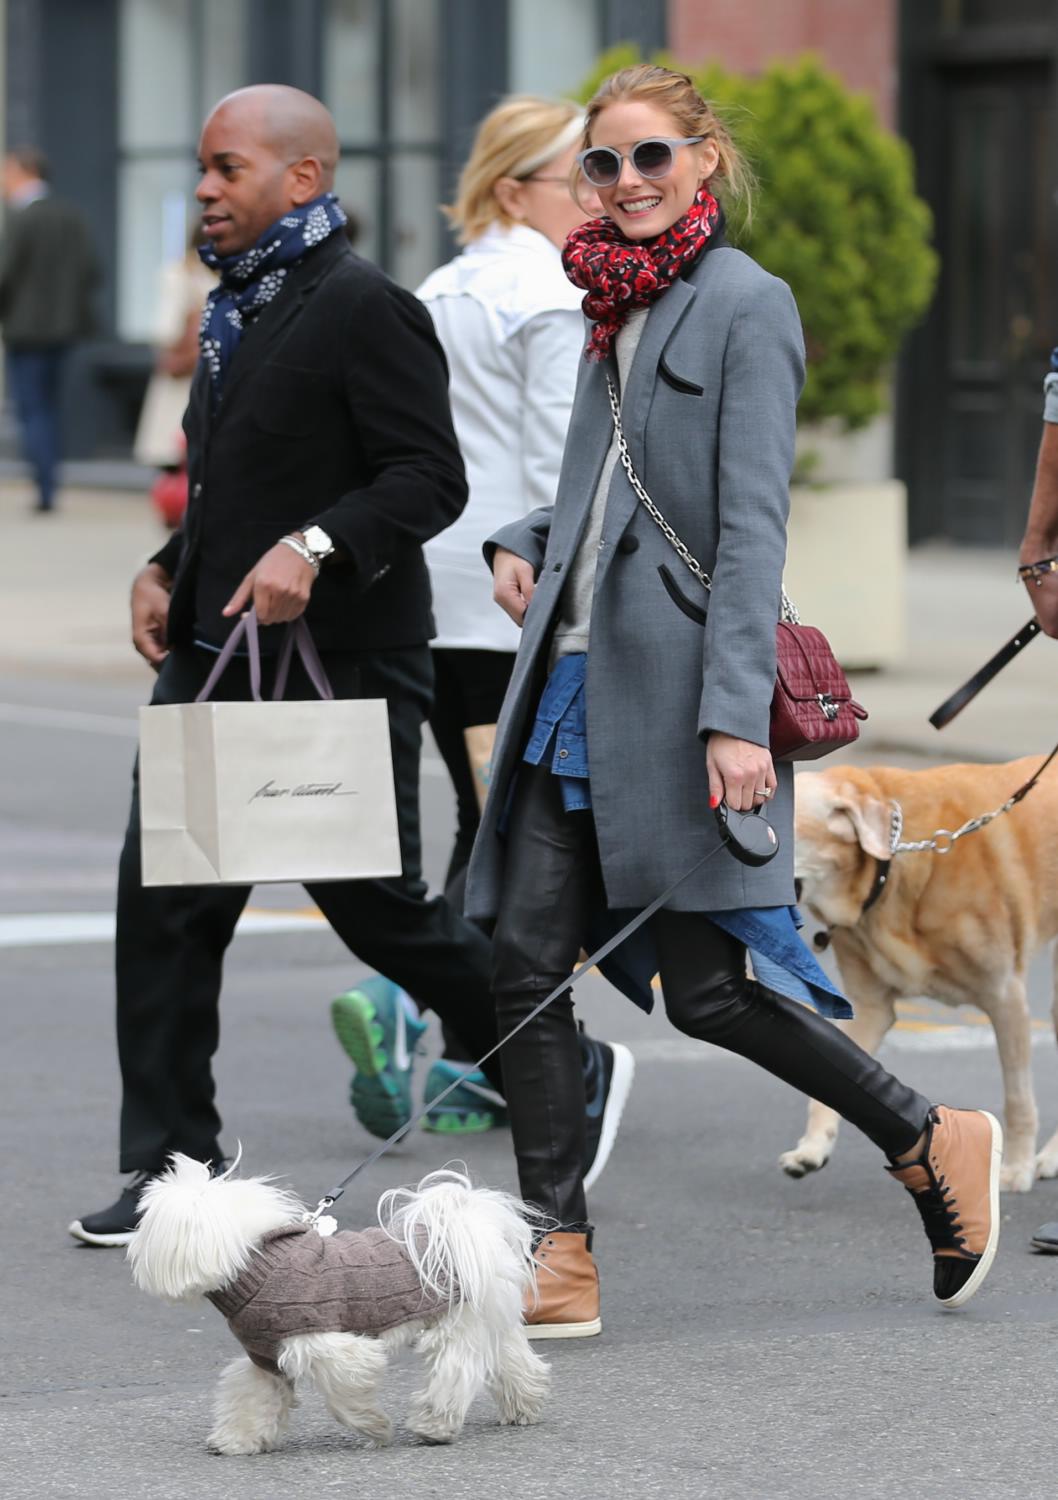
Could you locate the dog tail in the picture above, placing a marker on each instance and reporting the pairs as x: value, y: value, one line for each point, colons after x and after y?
x: 469, y: 1245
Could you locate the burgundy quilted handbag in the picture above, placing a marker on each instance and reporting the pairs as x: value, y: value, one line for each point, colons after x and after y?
x: 812, y: 710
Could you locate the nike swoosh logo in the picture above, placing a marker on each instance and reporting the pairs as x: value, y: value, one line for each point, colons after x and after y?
x: 488, y: 1095
x: 401, y: 1057
x: 593, y: 1106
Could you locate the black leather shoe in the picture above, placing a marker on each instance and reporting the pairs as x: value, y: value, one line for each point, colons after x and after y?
x: 1046, y: 1239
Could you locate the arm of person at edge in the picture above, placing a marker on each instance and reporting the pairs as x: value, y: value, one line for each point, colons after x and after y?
x: 396, y: 387
x: 763, y: 373
x: 550, y: 345
x: 1041, y: 529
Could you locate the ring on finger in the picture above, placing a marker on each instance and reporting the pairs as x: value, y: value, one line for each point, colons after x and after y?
x: 765, y: 793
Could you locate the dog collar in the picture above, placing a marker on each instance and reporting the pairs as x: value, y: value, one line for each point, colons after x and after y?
x: 822, y: 940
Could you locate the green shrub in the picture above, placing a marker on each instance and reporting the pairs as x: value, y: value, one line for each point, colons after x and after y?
x: 835, y: 215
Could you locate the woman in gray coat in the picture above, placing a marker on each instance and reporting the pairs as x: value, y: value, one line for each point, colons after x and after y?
x: 639, y: 701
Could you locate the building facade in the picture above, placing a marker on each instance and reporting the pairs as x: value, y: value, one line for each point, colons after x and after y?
x: 115, y: 91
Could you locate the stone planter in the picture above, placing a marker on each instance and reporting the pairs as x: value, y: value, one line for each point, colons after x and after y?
x: 846, y: 566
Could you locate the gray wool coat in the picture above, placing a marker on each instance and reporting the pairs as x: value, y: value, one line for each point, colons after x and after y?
x: 709, y: 417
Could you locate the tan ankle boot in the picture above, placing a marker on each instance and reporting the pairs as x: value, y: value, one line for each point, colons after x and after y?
x: 955, y: 1185
x: 567, y: 1301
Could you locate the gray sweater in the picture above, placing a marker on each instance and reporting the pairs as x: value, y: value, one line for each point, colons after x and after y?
x: 299, y: 1282
x: 574, y: 619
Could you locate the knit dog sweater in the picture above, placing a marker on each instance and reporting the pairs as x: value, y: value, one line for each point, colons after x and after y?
x: 298, y: 1282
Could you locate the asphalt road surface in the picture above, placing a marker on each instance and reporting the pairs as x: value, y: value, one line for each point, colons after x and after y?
x: 763, y: 1337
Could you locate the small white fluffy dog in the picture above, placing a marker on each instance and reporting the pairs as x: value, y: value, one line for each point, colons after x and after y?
x: 448, y: 1271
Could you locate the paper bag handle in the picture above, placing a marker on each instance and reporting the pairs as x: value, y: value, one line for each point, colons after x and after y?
x: 246, y: 627
x: 297, y: 635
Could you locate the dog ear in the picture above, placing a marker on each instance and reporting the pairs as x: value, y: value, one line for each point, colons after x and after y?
x: 864, y: 820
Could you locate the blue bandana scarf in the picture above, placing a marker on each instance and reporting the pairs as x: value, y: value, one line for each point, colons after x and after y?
x: 250, y: 279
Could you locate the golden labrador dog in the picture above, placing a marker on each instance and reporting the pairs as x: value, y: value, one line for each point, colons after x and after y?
x: 961, y: 927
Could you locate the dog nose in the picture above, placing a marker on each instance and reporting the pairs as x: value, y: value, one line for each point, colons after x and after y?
x: 798, y: 887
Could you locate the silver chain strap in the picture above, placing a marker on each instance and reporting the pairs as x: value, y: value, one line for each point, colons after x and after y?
x: 789, y: 611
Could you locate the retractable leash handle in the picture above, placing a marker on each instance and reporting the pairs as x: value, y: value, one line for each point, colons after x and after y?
x: 737, y: 837
x: 748, y: 835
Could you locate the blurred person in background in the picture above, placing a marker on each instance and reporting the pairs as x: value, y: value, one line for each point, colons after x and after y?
x: 183, y: 286
x: 48, y: 273
x: 1038, y: 571
x: 510, y: 323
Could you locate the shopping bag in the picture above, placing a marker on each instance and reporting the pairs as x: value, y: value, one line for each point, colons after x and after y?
x: 241, y: 793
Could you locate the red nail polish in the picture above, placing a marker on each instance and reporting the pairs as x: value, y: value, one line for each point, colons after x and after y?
x: 714, y: 801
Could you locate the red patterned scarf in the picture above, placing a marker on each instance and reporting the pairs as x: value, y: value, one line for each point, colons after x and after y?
x: 619, y: 274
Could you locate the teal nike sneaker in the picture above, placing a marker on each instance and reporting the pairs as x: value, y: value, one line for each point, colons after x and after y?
x: 380, y: 1037
x: 472, y: 1107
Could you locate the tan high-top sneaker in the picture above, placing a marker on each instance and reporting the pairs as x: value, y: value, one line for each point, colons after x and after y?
x: 955, y: 1185
x: 567, y: 1301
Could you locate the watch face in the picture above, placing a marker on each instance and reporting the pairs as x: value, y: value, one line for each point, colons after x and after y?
x: 317, y: 540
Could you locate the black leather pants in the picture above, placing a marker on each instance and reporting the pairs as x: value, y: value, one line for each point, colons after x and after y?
x: 552, y: 880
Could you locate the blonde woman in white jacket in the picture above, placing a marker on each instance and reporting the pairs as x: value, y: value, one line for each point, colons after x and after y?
x: 512, y: 328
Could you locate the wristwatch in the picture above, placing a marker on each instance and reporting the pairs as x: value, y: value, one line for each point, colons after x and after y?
x: 318, y: 543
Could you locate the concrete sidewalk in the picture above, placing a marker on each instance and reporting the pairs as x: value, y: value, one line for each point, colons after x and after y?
x: 64, y: 582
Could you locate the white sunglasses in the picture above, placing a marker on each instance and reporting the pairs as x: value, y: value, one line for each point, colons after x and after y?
x: 652, y: 158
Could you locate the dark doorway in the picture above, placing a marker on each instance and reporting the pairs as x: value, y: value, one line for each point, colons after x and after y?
x: 995, y: 299
x: 979, y: 110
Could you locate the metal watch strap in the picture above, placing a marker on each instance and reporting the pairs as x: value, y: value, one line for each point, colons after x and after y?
x: 789, y: 610
x: 302, y: 551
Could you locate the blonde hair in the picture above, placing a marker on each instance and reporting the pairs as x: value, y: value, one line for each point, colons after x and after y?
x: 676, y: 93
x: 512, y: 140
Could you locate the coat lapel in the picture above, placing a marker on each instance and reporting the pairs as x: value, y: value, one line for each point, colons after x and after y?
x: 273, y: 319
x: 276, y: 316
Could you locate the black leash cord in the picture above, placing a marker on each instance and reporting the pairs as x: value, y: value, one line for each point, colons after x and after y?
x: 567, y: 984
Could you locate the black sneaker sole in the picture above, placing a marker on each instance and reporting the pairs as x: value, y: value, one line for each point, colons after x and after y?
x: 90, y: 1237
x: 624, y: 1068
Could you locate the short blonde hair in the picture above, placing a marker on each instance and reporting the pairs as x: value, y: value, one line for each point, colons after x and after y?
x: 675, y: 92
x: 516, y: 132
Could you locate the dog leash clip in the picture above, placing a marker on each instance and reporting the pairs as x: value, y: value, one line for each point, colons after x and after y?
x: 324, y: 1223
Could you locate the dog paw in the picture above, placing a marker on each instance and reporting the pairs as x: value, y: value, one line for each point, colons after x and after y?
x: 1047, y: 1162
x: 1017, y: 1177
x: 806, y: 1156
x: 526, y: 1417
x: 379, y: 1433
x: 431, y: 1427
x: 234, y: 1447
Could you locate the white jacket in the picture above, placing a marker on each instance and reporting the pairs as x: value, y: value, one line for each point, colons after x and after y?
x: 512, y: 329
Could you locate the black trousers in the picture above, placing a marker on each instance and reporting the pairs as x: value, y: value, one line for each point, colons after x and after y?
x: 551, y: 882
x: 469, y: 688
x: 171, y: 940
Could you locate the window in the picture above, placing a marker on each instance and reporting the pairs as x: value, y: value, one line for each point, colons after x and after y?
x: 382, y: 82
x: 177, y: 58
x: 552, y: 47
